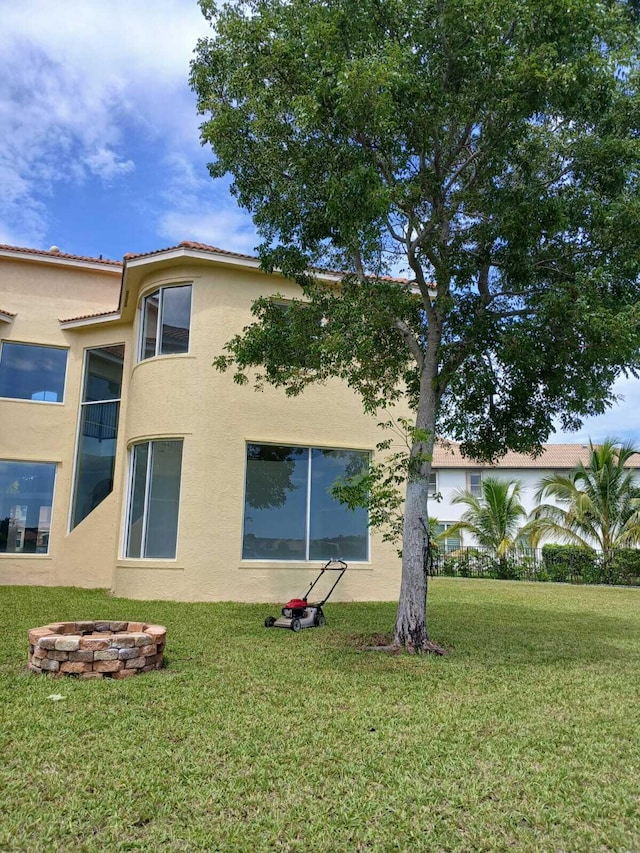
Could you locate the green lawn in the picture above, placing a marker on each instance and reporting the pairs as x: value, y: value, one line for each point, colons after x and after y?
x: 526, y: 737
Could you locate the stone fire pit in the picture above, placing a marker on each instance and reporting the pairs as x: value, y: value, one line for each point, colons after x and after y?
x: 96, y: 649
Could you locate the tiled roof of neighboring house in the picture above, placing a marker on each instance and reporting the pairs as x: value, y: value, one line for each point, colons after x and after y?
x: 6, y: 314
x: 448, y: 455
x: 58, y: 254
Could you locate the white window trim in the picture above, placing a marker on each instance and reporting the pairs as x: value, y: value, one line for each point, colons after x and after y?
x: 141, y: 319
x: 42, y: 346
x: 124, y: 541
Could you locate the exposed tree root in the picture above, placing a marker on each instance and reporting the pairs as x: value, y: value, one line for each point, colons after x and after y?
x: 395, y: 648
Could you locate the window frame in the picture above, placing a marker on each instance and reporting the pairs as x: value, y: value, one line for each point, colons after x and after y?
x: 308, y: 489
x: 445, y: 543
x: 82, y: 404
x: 147, y: 491
x: 30, y: 554
x: 470, y: 487
x: 60, y: 402
x: 140, y: 357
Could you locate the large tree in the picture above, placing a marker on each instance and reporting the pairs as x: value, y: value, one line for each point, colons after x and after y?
x: 488, y: 150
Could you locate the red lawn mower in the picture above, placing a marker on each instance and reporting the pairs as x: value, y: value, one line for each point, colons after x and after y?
x: 298, y: 613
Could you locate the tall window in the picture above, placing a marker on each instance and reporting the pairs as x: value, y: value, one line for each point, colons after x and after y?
x: 96, y: 452
x: 26, y: 498
x: 152, y: 523
x: 433, y: 484
x: 166, y: 321
x: 474, y: 483
x: 289, y: 513
x: 30, y: 372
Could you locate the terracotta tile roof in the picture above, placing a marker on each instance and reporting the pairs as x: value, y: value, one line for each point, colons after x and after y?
x: 50, y: 254
x: 448, y: 455
x: 90, y: 316
x: 6, y: 313
x: 204, y: 247
x: 189, y: 244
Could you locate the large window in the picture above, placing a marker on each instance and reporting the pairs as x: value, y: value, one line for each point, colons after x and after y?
x: 30, y: 372
x: 96, y: 452
x: 166, y: 321
x: 289, y: 513
x: 152, y: 523
x: 26, y: 498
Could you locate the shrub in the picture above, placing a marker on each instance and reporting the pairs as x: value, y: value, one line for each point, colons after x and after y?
x: 570, y: 563
x: 621, y: 566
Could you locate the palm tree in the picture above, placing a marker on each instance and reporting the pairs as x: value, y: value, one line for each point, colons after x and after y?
x: 598, y: 503
x: 494, y: 518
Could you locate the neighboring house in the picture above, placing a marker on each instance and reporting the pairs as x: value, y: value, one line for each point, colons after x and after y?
x: 452, y: 473
x: 128, y: 462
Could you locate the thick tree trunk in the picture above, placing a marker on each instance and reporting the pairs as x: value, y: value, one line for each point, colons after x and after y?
x: 411, y: 620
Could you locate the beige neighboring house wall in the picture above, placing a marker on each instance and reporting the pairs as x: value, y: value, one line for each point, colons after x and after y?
x: 47, y: 298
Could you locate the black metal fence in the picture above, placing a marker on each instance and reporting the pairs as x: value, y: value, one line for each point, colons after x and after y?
x: 556, y: 563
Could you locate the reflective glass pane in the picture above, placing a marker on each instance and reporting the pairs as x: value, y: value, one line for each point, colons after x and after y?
x: 96, y: 457
x: 26, y: 498
x: 275, y: 506
x: 32, y: 373
x: 336, y: 532
x: 150, y: 325
x: 176, y: 319
x: 164, y: 499
x: 103, y: 378
x: 140, y: 458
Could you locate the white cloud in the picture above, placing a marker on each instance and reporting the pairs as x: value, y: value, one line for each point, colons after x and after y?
x: 106, y: 164
x: 194, y: 208
x: 77, y: 80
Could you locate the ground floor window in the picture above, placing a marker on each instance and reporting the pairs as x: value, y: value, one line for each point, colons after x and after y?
x: 154, y: 499
x: 448, y: 543
x: 289, y: 512
x: 26, y: 498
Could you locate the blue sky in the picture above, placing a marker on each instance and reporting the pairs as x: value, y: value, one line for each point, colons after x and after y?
x: 99, y: 142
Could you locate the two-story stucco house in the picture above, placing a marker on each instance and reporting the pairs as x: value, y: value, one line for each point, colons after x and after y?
x: 128, y: 462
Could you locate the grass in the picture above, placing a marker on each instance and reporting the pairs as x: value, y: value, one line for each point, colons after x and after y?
x: 525, y: 738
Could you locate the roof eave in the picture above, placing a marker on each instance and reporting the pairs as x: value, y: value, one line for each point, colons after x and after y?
x: 81, y: 322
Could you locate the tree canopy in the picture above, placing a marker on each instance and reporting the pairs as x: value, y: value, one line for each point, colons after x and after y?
x: 486, y: 150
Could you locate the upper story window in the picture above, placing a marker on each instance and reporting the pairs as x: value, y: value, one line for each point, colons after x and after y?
x: 30, y: 372
x: 474, y: 483
x: 433, y: 484
x: 166, y: 321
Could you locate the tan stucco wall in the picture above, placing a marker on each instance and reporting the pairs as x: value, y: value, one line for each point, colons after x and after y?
x: 173, y: 397
x: 39, y: 294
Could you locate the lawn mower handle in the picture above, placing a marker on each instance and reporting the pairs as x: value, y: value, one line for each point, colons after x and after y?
x: 340, y: 567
